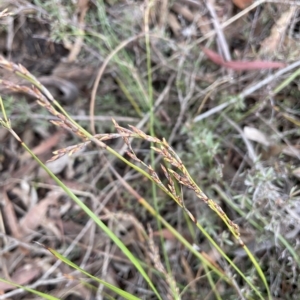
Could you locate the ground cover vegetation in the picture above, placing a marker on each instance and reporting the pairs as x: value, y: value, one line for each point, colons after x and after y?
x: 149, y: 149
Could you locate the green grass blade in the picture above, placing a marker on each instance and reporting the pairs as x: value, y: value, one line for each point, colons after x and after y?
x: 259, y: 270
x: 287, y: 81
x: 111, y: 235
x: 117, y: 290
x: 43, y: 295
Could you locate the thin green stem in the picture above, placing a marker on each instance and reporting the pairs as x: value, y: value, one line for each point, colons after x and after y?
x: 27, y: 289
x: 113, y: 237
x: 117, y: 290
x: 152, y: 133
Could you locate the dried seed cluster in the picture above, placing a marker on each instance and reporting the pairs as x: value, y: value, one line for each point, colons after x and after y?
x: 45, y: 99
x: 182, y: 176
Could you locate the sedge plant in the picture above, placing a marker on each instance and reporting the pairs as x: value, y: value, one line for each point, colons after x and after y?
x: 173, y: 170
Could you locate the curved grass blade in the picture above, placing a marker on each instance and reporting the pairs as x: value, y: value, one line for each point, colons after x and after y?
x: 43, y: 295
x: 110, y: 234
x: 115, y: 289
